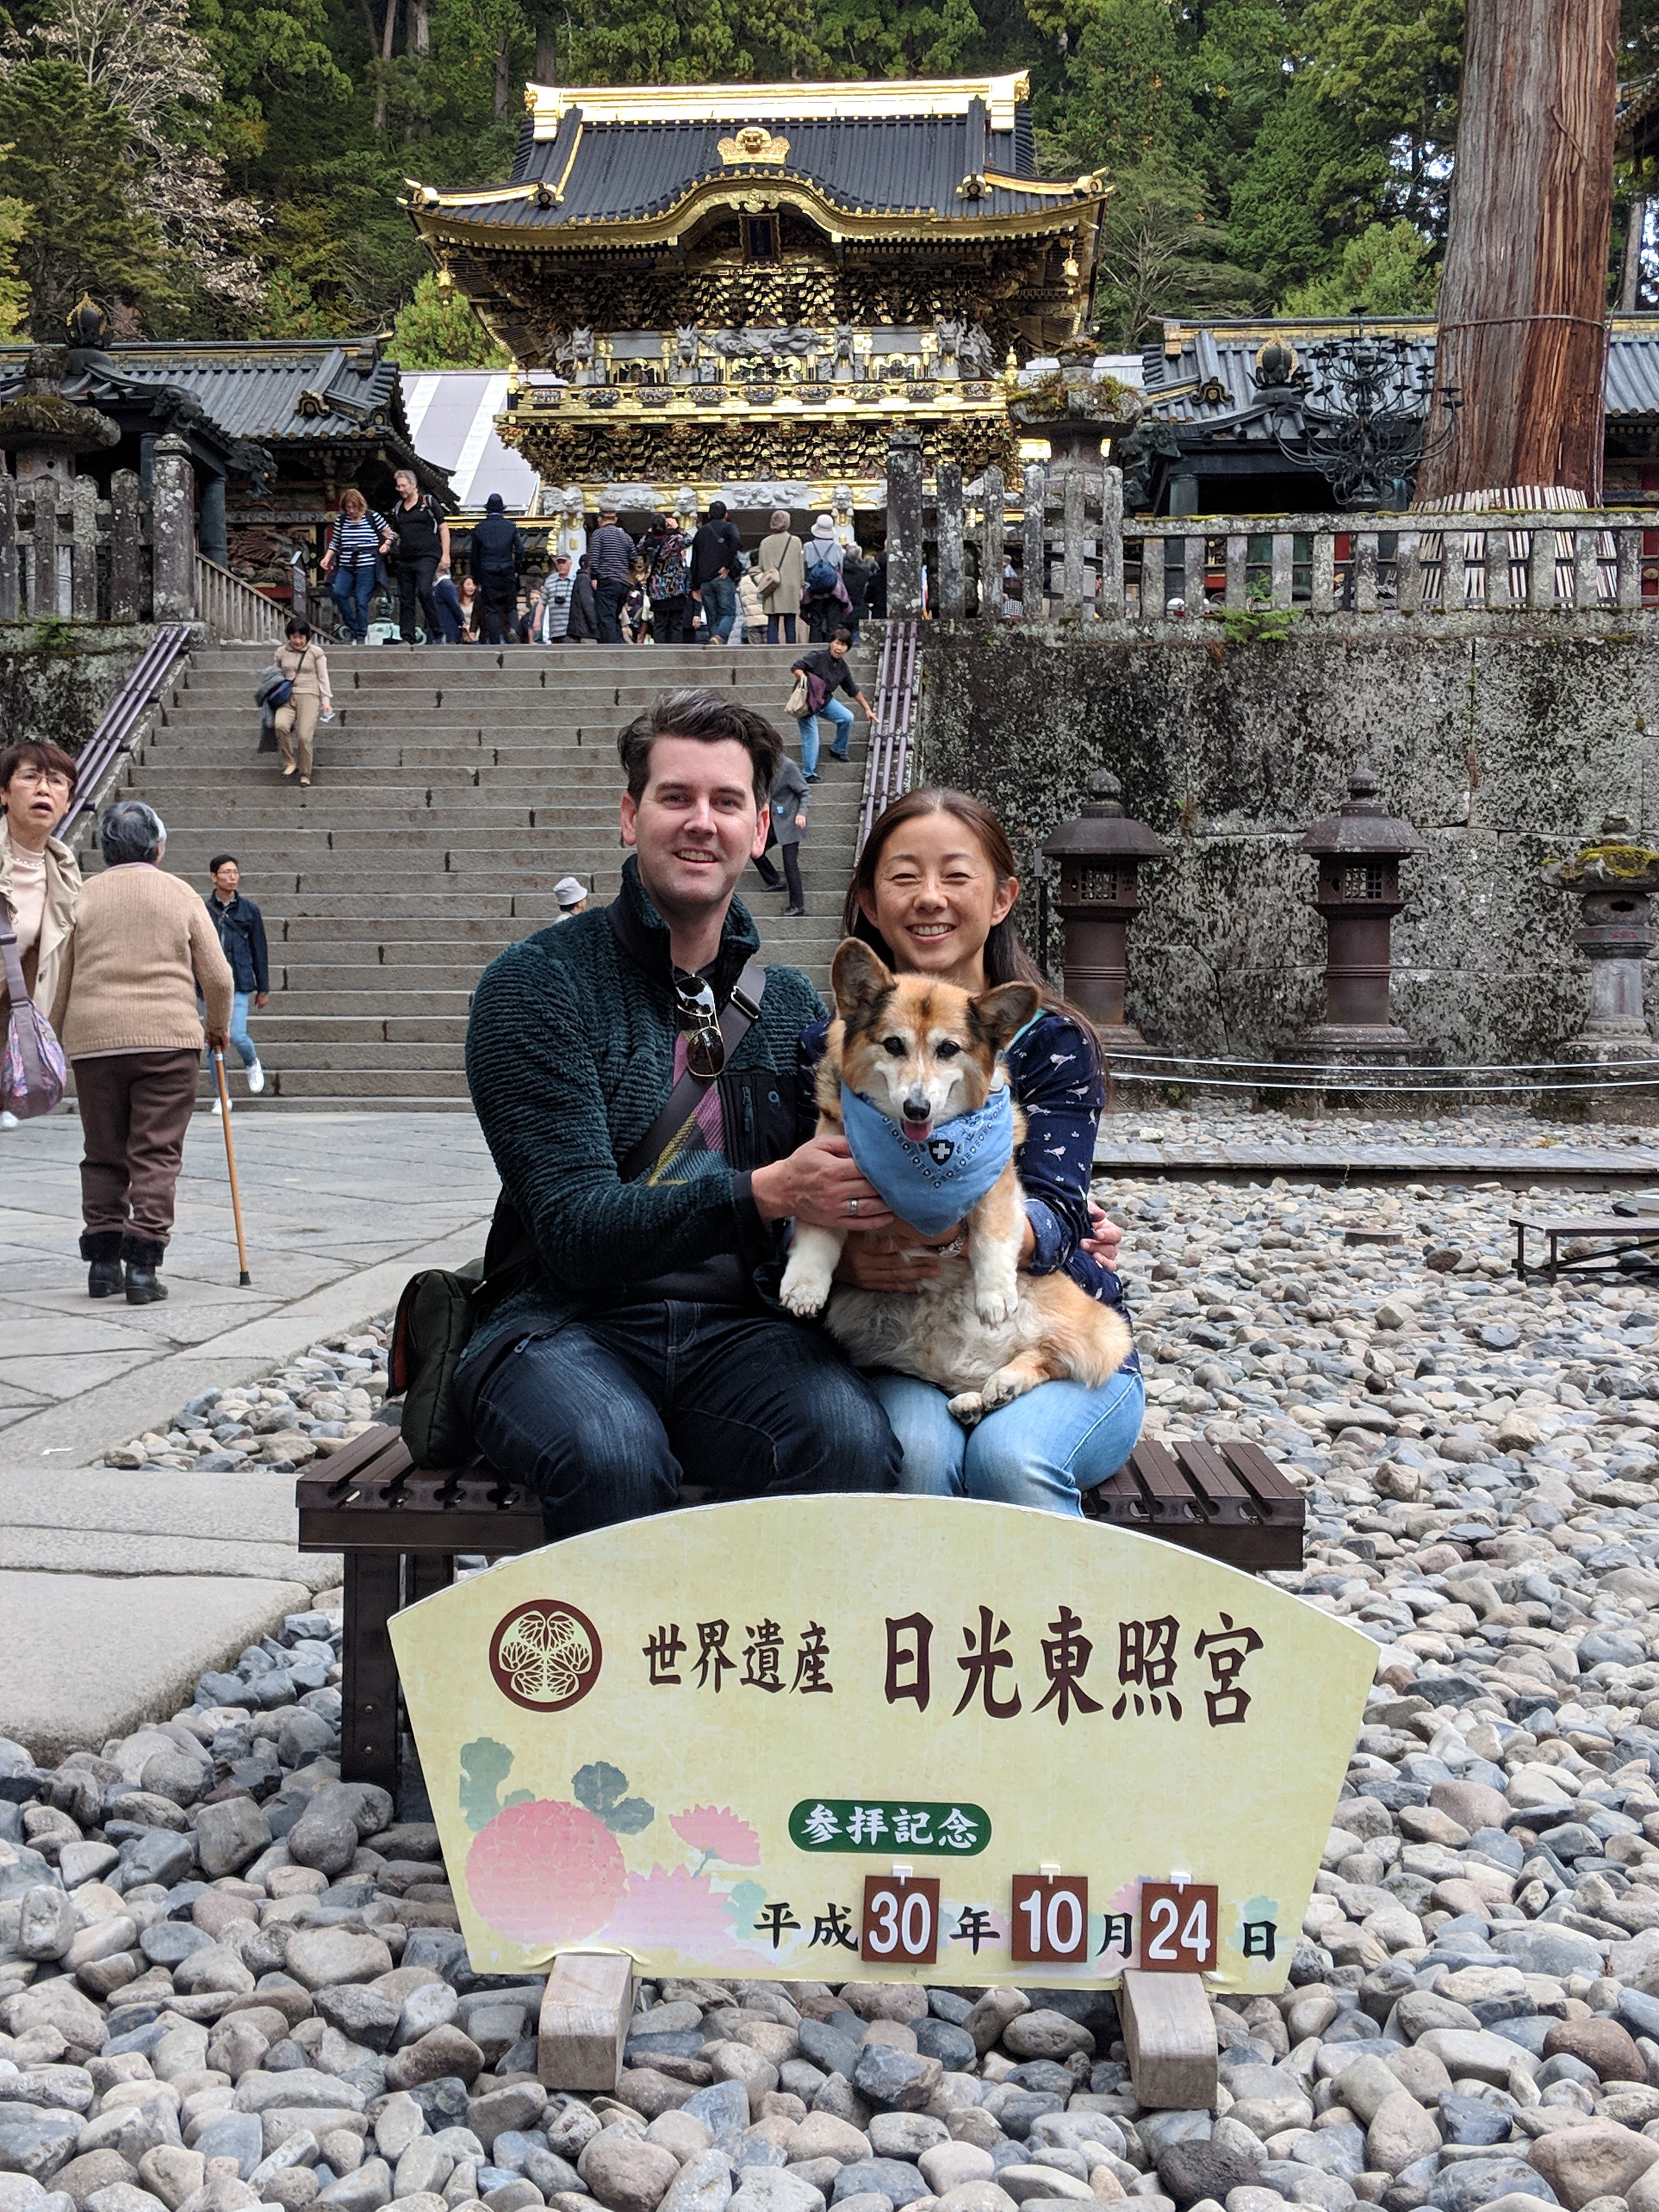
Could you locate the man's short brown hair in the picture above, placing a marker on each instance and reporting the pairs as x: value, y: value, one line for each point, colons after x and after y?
x: 712, y: 717
x: 41, y: 753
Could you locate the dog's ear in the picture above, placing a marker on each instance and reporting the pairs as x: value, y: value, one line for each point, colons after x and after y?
x: 1002, y: 1014
x: 859, y: 980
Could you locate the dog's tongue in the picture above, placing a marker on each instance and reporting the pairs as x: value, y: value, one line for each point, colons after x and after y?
x: 917, y: 1131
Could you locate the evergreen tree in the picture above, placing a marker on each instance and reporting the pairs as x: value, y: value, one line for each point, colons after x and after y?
x: 439, y: 330
x: 67, y: 157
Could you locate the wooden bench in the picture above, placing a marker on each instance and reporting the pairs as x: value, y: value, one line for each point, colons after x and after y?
x: 1629, y: 1229
x: 401, y: 1528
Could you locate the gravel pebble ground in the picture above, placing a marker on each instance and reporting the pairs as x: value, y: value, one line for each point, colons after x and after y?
x: 304, y: 1410
x: 1194, y: 1132
x: 227, y: 1979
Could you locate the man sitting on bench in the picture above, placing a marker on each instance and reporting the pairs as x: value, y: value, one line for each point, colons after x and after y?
x: 634, y: 1072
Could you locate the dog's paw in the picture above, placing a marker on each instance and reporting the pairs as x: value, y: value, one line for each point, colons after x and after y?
x: 996, y: 1308
x: 967, y: 1407
x: 804, y: 1291
x: 1004, y: 1387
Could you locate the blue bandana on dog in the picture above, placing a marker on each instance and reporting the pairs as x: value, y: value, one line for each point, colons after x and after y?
x: 934, y: 1185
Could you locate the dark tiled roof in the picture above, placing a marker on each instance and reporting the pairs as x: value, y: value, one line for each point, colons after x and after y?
x: 315, y: 392
x: 869, y: 165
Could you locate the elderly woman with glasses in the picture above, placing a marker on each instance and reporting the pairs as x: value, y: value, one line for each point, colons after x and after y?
x: 40, y: 877
x: 125, y: 1013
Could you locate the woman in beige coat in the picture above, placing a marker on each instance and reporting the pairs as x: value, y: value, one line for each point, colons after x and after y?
x: 40, y: 877
x: 306, y: 667
x: 781, y: 556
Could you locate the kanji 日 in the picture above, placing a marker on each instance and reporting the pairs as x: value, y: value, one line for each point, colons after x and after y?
x: 1146, y: 1661
x: 662, y: 1653
x: 979, y: 1659
x: 1066, y: 1655
x: 1260, y: 1939
x: 908, y: 1672
x: 834, y: 1925
x: 711, y: 1652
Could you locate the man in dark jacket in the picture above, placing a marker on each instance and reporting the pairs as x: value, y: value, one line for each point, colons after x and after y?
x: 639, y: 1350
x: 714, y: 551
x: 422, y: 537
x: 584, y: 624
x: 241, y: 928
x: 498, y: 554
x: 610, y: 552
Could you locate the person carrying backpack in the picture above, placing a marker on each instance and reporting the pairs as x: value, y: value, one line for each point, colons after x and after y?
x: 826, y: 596
x: 667, y: 554
x: 498, y: 554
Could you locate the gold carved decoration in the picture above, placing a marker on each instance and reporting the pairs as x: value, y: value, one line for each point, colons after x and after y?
x: 754, y: 143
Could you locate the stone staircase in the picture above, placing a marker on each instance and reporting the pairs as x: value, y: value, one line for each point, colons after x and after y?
x: 453, y: 789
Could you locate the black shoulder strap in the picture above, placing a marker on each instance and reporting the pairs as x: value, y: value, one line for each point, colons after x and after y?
x: 742, y: 1010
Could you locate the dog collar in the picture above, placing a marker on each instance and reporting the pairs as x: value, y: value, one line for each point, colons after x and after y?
x: 934, y: 1184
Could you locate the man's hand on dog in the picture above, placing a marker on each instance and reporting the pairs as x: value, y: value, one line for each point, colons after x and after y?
x: 901, y: 1260
x: 1101, y: 1244
x: 819, y: 1184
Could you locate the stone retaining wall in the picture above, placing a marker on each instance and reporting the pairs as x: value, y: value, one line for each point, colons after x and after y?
x: 1501, y: 742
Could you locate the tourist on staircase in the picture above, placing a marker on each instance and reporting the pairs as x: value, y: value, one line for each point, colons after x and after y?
x: 242, y: 929
x: 785, y: 828
x: 611, y: 554
x: 305, y: 668
x: 359, y: 539
x: 125, y: 1009
x: 422, y: 537
x: 827, y: 603
x: 826, y: 672
x: 780, y: 570
x: 667, y: 554
x: 751, y: 628
x: 714, y: 551
x: 39, y: 876
x: 550, y: 622
x: 498, y: 554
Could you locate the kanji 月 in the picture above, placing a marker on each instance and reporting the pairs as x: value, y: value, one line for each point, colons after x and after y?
x: 980, y: 1659
x: 773, y: 1920
x: 1146, y: 1665
x: 1066, y: 1655
x: 711, y: 1652
x: 1228, y: 1648
x: 834, y: 1925
x: 665, y: 1649
x: 760, y: 1657
x: 1120, y: 1935
x: 975, y: 1927
x: 908, y: 1674
x: 810, y: 1662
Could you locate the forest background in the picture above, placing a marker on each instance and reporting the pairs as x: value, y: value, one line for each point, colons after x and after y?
x: 232, y: 168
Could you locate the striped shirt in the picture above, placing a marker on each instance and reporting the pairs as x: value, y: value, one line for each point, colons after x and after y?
x: 355, y: 543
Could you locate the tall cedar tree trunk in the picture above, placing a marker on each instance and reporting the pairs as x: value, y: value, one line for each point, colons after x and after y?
x: 503, y: 75
x: 1630, y: 280
x: 419, y: 27
x: 1523, y: 298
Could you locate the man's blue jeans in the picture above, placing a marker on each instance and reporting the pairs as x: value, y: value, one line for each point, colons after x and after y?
x: 838, y: 712
x: 719, y: 608
x: 1044, y: 1450
x: 353, y: 589
x: 238, y: 1031
x: 606, y: 1417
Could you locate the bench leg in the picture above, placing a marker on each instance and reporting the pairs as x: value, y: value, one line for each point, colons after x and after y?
x: 368, y: 1720
x: 585, y: 2009
x: 427, y: 1573
x: 1169, y: 2032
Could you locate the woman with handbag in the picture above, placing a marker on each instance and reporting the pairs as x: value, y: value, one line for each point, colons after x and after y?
x: 779, y: 569
x: 360, y: 536
x: 40, y: 890
x: 304, y: 668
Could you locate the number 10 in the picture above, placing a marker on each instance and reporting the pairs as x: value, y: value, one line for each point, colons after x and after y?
x: 1050, y: 1919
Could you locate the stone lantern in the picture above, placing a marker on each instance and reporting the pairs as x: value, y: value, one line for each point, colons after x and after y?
x: 1358, y: 849
x: 1615, y: 878
x: 1099, y: 856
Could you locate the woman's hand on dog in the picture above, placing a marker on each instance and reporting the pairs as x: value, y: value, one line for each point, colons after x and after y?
x: 819, y: 1184
x: 1105, y: 1237
x: 899, y: 1261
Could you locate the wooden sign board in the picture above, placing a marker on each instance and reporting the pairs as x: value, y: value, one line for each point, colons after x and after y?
x: 766, y: 1739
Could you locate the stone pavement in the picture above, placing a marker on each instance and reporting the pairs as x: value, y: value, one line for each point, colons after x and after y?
x: 339, y: 1210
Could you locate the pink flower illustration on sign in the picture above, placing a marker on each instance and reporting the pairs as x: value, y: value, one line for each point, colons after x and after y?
x: 546, y: 1872
x: 717, y: 1833
x: 672, y: 1910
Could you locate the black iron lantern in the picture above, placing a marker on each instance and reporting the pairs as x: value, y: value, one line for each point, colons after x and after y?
x: 1360, y: 849
x: 1099, y: 858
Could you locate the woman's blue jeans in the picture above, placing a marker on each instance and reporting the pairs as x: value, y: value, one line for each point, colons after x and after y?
x: 841, y: 714
x: 1044, y: 1450
x: 353, y: 589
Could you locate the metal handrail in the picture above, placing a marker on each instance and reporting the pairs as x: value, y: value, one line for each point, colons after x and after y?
x: 115, y: 733
x: 887, y: 772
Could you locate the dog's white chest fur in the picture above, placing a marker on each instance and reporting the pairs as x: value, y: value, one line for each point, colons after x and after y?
x: 936, y: 1334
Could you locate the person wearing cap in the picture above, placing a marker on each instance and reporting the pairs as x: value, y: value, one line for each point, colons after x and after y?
x: 498, y: 554
x: 572, y: 895
x: 826, y: 595
x: 779, y: 569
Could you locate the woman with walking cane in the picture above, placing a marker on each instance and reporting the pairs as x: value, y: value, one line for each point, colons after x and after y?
x: 126, y: 1011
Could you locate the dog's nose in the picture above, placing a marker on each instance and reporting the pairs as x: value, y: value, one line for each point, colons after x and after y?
x: 916, y: 1108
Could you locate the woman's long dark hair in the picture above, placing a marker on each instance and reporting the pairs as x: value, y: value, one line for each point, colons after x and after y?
x: 1006, y: 959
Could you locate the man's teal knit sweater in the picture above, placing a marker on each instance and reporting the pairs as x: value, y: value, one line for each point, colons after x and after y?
x: 570, y: 1057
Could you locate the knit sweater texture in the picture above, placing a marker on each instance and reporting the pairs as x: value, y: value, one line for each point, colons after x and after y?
x: 569, y: 1057
x: 143, y: 942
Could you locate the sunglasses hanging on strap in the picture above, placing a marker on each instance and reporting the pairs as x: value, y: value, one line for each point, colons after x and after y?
x: 710, y: 1043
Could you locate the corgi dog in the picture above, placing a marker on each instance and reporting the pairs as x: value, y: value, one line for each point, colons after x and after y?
x: 923, y: 1055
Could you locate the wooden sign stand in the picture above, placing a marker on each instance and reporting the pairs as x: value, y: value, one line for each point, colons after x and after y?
x: 585, y: 2009
x: 1169, y: 2032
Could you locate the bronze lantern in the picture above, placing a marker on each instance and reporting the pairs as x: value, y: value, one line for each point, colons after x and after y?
x: 1358, y: 849
x: 1099, y: 858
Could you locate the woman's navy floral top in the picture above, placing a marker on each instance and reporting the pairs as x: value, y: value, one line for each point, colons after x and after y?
x: 1058, y: 1081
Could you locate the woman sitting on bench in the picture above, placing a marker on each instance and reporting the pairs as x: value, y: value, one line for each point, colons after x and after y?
x: 933, y: 893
